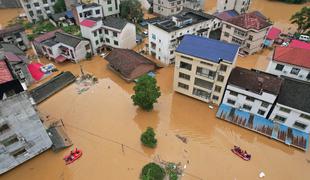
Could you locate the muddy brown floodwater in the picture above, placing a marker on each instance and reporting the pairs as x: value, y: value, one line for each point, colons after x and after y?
x: 106, y: 126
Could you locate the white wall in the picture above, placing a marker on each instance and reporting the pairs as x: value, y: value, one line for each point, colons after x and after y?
x: 127, y: 38
x: 35, y: 9
x: 114, y: 5
x: 80, y: 51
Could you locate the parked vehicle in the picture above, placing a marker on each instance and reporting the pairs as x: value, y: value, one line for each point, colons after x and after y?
x: 242, y: 154
x: 74, y: 155
x: 304, y: 38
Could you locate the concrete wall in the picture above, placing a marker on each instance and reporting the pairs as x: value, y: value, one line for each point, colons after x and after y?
x: 127, y: 38
x: 166, y: 8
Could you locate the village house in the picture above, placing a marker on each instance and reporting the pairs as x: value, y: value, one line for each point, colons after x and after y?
x: 240, y: 6
x: 22, y: 134
x: 129, y: 64
x: 247, y: 30
x: 37, y: 10
x: 203, y: 66
x: 292, y: 106
x: 171, y: 7
x: 291, y: 62
x: 60, y: 46
x: 110, y: 7
x: 15, y: 34
x: 272, y: 36
x: 252, y: 91
x: 166, y: 34
x: 62, y: 19
x: 84, y: 11
x: 107, y: 33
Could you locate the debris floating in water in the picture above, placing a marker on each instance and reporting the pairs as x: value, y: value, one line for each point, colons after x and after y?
x: 85, y: 81
x: 182, y: 138
x: 262, y: 175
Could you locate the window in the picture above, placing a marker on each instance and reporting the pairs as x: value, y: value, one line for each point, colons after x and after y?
x: 109, y: 2
x: 185, y: 65
x: 205, y: 73
x: 201, y: 93
x: 217, y: 88
x: 107, y: 40
x: 236, y: 40
x: 279, y: 67
x: 97, y: 42
x: 28, y: 6
x: 220, y: 78
x: 285, y: 110
x: 36, y: 4
x: 308, y: 76
x: 305, y: 116
x: 239, y: 32
x: 44, y: 1
x: 87, y: 47
x: 3, y: 128
x: 31, y: 13
x: 250, y: 98
x: 248, y: 45
x: 97, y: 11
x: 11, y: 140
x: 171, y: 52
x: 265, y: 104
x: 18, y: 152
x: 116, y: 43
x: 154, y: 36
x: 279, y: 118
x: 223, y: 67
x: 81, y: 15
x: 228, y: 26
x: 226, y: 34
x: 106, y: 31
x: 184, y: 76
x: 295, y: 71
x: 261, y: 112
x: 184, y: 86
x: 101, y: 39
x: 230, y: 101
x: 188, y: 58
x: 47, y: 8
x: 115, y: 34
x: 233, y: 93
x: 95, y: 33
x: 299, y: 125
x: 100, y: 31
x: 250, y: 37
x: 110, y: 9
x: 39, y: 12
x: 216, y: 98
x: 247, y: 107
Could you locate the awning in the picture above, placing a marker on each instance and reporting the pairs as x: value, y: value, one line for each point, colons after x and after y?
x: 60, y: 59
x: 202, y: 30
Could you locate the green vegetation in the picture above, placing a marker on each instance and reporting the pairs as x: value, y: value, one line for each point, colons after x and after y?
x: 131, y: 10
x: 302, y: 19
x: 30, y: 37
x: 59, y: 6
x: 74, y: 30
x: 152, y: 171
x: 172, y: 171
x: 146, y: 92
x: 43, y: 27
x: 88, y: 56
x: 150, y: 10
x: 148, y: 138
x: 295, y: 1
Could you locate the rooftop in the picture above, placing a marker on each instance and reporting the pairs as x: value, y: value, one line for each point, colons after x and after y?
x: 167, y: 23
x: 5, y: 74
x: 225, y: 15
x: 255, y: 81
x: 11, y: 48
x: 11, y: 29
x: 295, y: 94
x: 208, y: 49
x: 67, y: 39
x: 88, y: 23
x: 46, y: 36
x: 295, y: 56
x: 299, y: 44
x: 273, y: 33
x: 114, y: 22
x: 253, y: 20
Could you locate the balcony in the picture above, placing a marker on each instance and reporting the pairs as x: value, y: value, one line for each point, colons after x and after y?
x: 202, y: 94
x: 203, y: 84
x: 206, y: 73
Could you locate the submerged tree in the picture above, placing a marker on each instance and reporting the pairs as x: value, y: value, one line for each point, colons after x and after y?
x: 59, y: 6
x: 152, y: 171
x: 302, y: 19
x: 131, y: 10
x: 148, y: 138
x: 146, y: 92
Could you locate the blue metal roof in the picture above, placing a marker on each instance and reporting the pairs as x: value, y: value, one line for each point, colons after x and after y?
x: 208, y: 49
x: 232, y: 13
x: 69, y: 14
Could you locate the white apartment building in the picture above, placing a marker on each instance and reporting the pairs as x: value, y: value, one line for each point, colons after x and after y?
x: 252, y: 91
x: 16, y: 35
x: 247, y: 30
x: 166, y: 34
x: 202, y: 67
x: 291, y: 62
x: 111, y: 32
x: 240, y: 6
x: 36, y: 10
x: 84, y: 11
x: 293, y: 105
x: 171, y: 7
x: 110, y: 7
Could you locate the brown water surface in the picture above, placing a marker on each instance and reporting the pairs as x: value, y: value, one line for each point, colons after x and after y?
x: 8, y: 14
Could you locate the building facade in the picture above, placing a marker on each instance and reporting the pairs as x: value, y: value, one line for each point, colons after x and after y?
x: 168, y: 7
x: 37, y: 10
x: 252, y: 91
x: 203, y: 67
x: 84, y: 11
x: 292, y: 107
x: 16, y: 35
x: 22, y: 134
x: 166, y: 34
x: 240, y: 6
x: 291, y: 62
x: 247, y: 30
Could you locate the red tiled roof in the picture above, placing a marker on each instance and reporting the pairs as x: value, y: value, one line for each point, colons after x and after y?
x: 88, y: 23
x: 299, y: 44
x: 294, y: 56
x: 252, y: 20
x: 5, y: 74
x: 47, y: 35
x: 273, y: 33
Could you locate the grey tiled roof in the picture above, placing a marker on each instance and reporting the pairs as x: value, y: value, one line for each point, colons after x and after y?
x: 67, y: 39
x: 115, y: 22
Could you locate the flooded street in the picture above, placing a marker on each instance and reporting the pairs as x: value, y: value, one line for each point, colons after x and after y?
x: 8, y: 14
x: 104, y: 123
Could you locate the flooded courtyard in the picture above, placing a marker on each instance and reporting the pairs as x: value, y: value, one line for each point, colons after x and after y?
x: 104, y: 123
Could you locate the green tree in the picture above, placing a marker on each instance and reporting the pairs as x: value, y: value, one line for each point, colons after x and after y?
x: 152, y: 171
x: 59, y: 6
x: 30, y: 37
x: 131, y: 10
x: 295, y: 1
x: 302, y: 19
x: 148, y: 138
x: 146, y: 92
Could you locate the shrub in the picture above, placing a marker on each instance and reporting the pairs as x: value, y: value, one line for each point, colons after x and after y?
x: 88, y: 56
x: 148, y: 138
x: 152, y: 171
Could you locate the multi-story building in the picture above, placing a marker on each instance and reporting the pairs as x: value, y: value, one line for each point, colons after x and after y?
x: 166, y: 34
x: 38, y: 9
x: 291, y: 62
x: 292, y: 107
x: 252, y: 91
x: 240, y: 6
x: 109, y: 32
x: 110, y: 7
x: 168, y: 7
x: 22, y: 134
x: 16, y: 35
x: 247, y: 30
x: 70, y: 4
x: 84, y: 11
x: 203, y: 66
